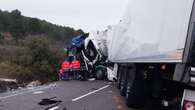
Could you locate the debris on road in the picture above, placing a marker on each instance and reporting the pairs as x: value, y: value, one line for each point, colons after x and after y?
x: 34, y: 84
x: 38, y: 92
x: 49, y: 101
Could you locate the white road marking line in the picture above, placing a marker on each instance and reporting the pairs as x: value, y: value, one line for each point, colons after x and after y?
x: 54, y: 108
x: 78, y: 98
x: 16, y: 94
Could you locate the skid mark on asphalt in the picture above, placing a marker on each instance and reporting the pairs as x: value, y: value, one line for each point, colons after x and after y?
x: 85, y: 95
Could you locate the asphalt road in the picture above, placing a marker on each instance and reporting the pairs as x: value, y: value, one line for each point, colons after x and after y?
x: 72, y: 95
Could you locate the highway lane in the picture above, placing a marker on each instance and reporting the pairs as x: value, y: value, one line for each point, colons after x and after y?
x: 74, y: 95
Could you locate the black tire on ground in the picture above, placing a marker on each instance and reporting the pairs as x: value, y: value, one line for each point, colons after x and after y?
x: 123, y: 81
x: 135, y: 93
x: 100, y: 74
x: 84, y: 75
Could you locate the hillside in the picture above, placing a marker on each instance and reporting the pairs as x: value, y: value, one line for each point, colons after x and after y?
x: 20, y: 26
x: 31, y: 49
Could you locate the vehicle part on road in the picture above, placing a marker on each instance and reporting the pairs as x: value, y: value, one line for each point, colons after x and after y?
x: 49, y: 101
x: 111, y: 74
x: 38, y: 92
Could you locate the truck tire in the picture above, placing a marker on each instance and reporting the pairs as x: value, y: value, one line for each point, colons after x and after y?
x: 123, y: 81
x: 135, y: 94
x: 119, y: 76
x: 100, y: 75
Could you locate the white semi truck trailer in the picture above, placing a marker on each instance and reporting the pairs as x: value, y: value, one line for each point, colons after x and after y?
x: 154, y: 46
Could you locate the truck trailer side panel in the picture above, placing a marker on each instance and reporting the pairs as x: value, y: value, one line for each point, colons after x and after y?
x: 151, y: 31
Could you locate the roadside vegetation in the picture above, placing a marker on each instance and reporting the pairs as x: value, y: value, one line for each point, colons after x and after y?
x: 31, y: 49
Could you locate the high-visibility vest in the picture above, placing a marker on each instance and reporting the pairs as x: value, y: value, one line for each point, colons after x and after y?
x: 75, y: 64
x: 65, y: 65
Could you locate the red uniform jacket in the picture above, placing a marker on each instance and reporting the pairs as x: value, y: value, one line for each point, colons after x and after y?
x: 75, y: 64
x: 65, y: 66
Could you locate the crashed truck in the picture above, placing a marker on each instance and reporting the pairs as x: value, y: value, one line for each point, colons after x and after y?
x: 97, y: 41
x: 154, y: 47
x: 92, y: 53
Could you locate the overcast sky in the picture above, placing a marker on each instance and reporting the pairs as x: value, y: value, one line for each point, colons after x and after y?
x: 90, y: 15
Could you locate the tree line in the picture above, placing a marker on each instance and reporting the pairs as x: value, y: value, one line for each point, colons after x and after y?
x: 31, y: 49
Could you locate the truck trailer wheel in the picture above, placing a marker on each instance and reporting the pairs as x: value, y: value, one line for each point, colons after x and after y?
x: 119, y: 76
x: 123, y: 80
x: 135, y: 94
x: 100, y: 75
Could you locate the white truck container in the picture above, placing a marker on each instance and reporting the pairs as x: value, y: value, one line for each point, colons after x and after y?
x: 151, y: 31
x: 153, y: 42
